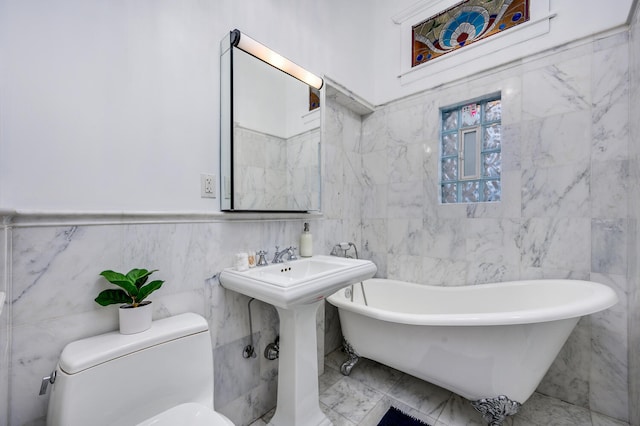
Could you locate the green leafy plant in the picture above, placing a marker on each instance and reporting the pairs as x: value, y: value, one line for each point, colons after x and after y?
x: 132, y: 289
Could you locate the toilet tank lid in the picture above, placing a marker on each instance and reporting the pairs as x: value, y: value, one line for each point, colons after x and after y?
x: 86, y: 353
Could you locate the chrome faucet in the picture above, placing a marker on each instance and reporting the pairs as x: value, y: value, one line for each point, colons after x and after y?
x: 262, y: 258
x: 278, y: 256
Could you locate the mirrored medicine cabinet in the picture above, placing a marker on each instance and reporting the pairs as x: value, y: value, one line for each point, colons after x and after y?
x: 270, y: 123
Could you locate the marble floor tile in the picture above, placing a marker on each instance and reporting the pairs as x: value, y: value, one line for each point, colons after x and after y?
x: 330, y: 377
x: 598, y: 419
x: 543, y: 410
x: 373, y: 417
x: 351, y: 399
x: 420, y: 395
x: 458, y: 412
x: 336, y: 418
x: 376, y: 375
x: 335, y: 359
x: 363, y: 398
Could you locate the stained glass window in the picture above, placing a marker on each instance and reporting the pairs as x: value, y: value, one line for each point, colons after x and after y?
x: 314, y: 98
x: 463, y: 24
x: 471, y: 152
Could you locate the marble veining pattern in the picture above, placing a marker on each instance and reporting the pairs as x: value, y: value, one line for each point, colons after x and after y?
x: 611, y: 198
x: 551, y: 243
x: 554, y: 141
x: 563, y: 215
x: 5, y: 324
x: 633, y: 264
x: 55, y: 279
x: 557, y: 88
x: 556, y: 191
x: 362, y: 398
x: 608, y: 377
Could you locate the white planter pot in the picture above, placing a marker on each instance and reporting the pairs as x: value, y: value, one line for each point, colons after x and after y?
x: 135, y: 320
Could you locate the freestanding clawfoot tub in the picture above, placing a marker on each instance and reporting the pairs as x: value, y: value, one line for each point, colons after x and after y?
x: 490, y: 343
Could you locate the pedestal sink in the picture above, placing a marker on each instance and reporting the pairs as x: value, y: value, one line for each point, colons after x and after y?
x: 297, y: 289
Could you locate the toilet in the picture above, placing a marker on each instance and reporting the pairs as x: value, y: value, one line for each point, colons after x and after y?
x: 162, y: 376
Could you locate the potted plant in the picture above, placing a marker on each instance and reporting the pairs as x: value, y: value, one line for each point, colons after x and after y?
x: 135, y: 312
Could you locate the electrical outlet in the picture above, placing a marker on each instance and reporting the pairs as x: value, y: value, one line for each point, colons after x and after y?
x: 207, y: 186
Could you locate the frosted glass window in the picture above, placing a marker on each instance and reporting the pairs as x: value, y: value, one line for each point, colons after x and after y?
x: 450, y: 144
x: 492, y: 137
x: 470, y: 115
x: 471, y: 152
x: 450, y: 120
x: 450, y: 169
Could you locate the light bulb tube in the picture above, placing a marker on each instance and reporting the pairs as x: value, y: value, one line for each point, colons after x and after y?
x: 262, y: 52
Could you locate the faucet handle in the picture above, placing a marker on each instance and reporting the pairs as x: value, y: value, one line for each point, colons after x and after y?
x: 262, y: 259
x: 292, y: 254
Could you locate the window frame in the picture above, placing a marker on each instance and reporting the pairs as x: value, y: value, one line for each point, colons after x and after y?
x: 460, y: 63
x: 462, y: 158
x: 479, y: 127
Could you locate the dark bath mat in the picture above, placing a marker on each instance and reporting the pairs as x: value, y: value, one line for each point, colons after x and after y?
x: 395, y: 417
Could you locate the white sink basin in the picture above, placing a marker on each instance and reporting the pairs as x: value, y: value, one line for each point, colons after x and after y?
x: 297, y: 282
x: 296, y: 289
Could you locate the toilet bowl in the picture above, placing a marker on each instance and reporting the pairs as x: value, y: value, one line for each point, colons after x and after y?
x: 162, y: 376
x: 187, y: 414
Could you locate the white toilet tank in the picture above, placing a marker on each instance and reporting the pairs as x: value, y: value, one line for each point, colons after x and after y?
x: 117, y: 379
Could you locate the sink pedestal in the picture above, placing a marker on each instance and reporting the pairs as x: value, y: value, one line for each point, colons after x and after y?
x: 298, y: 397
x: 297, y: 289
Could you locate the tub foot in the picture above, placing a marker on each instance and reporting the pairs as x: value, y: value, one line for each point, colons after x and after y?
x: 353, y: 359
x: 496, y: 410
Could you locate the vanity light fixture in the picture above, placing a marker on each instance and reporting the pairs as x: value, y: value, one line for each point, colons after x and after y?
x: 262, y: 52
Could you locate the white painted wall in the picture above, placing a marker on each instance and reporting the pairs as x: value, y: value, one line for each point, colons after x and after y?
x: 113, y: 105
x: 257, y: 91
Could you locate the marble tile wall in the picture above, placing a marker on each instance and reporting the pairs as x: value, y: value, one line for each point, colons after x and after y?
x: 54, y: 278
x: 633, y: 275
x: 303, y: 170
x: 564, y: 207
x: 283, y: 176
x: 4, y: 328
x: 259, y: 166
x: 342, y: 183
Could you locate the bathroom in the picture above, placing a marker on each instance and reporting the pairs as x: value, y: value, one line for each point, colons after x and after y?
x: 110, y: 113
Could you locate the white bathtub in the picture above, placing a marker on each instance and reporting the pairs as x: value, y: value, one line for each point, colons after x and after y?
x: 481, y: 341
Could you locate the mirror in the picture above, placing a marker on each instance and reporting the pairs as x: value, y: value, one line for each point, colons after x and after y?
x: 270, y: 134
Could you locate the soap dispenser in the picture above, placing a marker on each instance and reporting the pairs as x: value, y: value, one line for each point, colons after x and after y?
x: 306, y: 242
